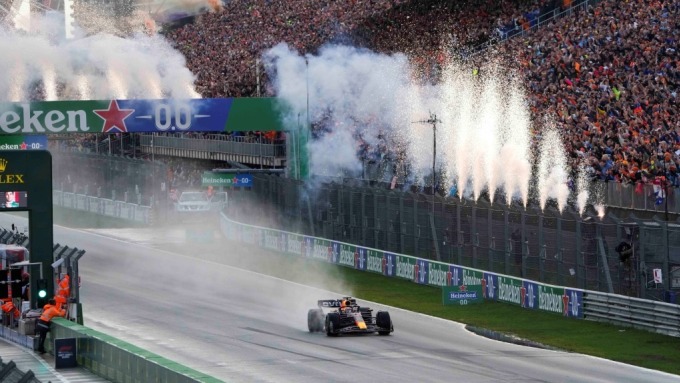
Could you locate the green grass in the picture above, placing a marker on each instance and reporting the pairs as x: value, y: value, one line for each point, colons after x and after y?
x: 626, y: 345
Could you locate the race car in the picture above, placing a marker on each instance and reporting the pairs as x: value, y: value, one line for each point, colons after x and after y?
x: 346, y: 316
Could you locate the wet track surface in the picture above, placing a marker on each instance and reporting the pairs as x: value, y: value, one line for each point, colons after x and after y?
x: 238, y: 325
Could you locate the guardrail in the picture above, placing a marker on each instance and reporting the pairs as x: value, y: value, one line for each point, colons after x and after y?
x: 102, y: 206
x: 576, y: 303
x: 660, y: 317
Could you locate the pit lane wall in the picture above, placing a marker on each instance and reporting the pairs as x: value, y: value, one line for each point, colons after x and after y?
x: 102, y: 206
x: 574, y: 303
x: 119, y: 361
x: 497, y: 287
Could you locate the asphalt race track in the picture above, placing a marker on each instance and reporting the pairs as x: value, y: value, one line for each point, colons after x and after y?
x: 242, y: 326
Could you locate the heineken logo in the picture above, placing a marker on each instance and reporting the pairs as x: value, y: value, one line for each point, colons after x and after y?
x: 405, y: 269
x: 437, y: 276
x: 509, y: 292
x: 40, y: 121
x: 374, y: 263
x: 114, y: 117
x: 550, y: 301
x: 111, y: 116
x: 470, y: 278
x: 346, y: 257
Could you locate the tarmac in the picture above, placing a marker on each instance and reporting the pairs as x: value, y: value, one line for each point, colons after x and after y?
x: 42, y: 365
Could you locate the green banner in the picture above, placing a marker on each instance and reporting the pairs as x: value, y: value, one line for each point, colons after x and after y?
x: 374, y: 261
x: 347, y: 253
x: 462, y: 295
x: 550, y: 299
x: 437, y: 274
x: 226, y: 179
x: 294, y: 244
x: 472, y: 277
x: 406, y: 267
x: 321, y: 249
x: 510, y: 290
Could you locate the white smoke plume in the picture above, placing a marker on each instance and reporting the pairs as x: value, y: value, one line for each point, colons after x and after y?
x: 101, y: 66
x: 483, y: 124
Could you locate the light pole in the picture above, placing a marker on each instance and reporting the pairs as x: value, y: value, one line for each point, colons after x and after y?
x: 667, y: 283
x: 433, y: 121
x: 307, y: 70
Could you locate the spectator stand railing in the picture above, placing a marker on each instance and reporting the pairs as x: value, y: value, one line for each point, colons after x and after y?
x: 542, y: 20
x: 251, y: 150
x: 639, y: 197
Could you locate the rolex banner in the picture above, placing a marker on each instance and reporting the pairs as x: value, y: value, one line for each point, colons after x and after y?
x: 138, y: 116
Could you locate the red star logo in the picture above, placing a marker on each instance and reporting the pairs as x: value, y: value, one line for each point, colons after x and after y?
x: 565, y: 305
x: 234, y: 180
x: 462, y: 288
x: 23, y: 146
x: 114, y: 118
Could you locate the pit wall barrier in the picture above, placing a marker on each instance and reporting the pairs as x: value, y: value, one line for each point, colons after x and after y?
x: 102, y: 206
x: 531, y: 295
x: 119, y: 361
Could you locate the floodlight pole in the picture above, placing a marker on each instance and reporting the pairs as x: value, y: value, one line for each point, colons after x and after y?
x: 433, y: 121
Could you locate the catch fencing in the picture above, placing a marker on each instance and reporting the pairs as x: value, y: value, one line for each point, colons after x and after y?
x: 648, y: 315
x: 564, y: 249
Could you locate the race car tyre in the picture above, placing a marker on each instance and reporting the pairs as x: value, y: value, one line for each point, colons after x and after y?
x: 332, y: 324
x: 315, y: 320
x: 382, y: 320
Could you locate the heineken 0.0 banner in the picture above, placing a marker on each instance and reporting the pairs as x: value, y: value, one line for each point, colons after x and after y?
x: 137, y: 116
x: 462, y: 295
x: 227, y: 179
x: 24, y: 142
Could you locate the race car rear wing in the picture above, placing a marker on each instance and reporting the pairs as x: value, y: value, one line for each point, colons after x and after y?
x: 334, y: 303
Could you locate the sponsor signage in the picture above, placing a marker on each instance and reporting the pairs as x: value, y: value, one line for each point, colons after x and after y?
x: 243, y: 180
x: 320, y: 251
x: 334, y: 252
x: 374, y: 261
x: 490, y: 286
x: 137, y: 116
x: 65, y: 352
x: 456, y: 275
x: 572, y: 303
x: 295, y: 244
x: 390, y: 265
x: 462, y: 295
x: 360, y: 261
x: 406, y: 267
x: 510, y: 290
x: 347, y: 255
x: 438, y: 274
x: 530, y: 295
x: 459, y: 285
x: 421, y: 271
x: 23, y: 142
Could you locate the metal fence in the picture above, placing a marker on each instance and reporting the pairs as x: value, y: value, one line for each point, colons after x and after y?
x: 640, y: 197
x: 112, y: 177
x: 217, y: 147
x: 558, y: 248
x: 542, y: 20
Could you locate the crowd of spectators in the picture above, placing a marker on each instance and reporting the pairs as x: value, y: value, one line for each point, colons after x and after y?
x: 609, y: 75
x: 223, y: 48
